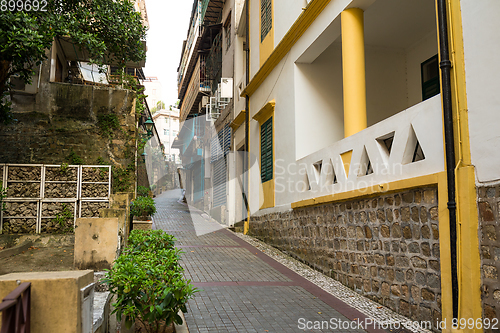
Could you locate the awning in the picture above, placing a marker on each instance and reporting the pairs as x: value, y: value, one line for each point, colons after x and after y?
x: 75, y: 52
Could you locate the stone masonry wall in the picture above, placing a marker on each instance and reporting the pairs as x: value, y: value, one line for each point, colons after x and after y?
x: 70, y: 119
x: 489, y: 242
x: 385, y: 247
x: 60, y: 185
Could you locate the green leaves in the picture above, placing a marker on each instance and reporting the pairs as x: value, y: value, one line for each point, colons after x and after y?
x: 108, y: 124
x: 109, y: 30
x: 152, y: 241
x: 148, y: 281
x: 64, y: 218
x: 143, y: 206
x: 142, y: 191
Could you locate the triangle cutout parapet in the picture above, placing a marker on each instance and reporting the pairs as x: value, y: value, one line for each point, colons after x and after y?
x: 307, y: 185
x: 385, y: 143
x: 331, y: 176
x: 365, y: 165
x: 413, y: 150
x: 346, y: 161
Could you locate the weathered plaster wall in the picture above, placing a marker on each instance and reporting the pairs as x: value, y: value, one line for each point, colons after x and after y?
x: 96, y: 243
x: 67, y: 117
x: 385, y: 247
x: 55, y: 298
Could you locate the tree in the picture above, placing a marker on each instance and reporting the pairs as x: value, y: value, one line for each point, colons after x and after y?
x: 160, y: 105
x: 111, y: 31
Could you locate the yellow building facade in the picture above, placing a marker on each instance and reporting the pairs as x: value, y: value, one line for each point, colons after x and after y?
x: 362, y: 117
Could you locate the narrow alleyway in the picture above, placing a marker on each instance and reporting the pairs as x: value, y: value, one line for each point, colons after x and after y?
x: 242, y: 289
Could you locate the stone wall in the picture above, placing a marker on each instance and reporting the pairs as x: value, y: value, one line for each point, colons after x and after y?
x: 385, y: 247
x: 489, y: 242
x: 55, y: 211
x: 64, y: 122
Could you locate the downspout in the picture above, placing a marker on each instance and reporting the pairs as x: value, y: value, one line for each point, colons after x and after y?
x: 445, y: 65
x: 247, y: 118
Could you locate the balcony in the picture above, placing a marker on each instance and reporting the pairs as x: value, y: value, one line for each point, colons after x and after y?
x: 406, y: 145
x: 203, y: 23
x: 199, y: 85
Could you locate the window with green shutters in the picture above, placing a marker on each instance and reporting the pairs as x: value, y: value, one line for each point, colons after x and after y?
x: 266, y: 18
x: 266, y: 150
x: 430, y: 77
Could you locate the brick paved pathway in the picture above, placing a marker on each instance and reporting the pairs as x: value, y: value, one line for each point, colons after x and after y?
x: 242, y: 289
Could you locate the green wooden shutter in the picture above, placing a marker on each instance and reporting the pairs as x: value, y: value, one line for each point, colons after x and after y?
x: 430, y: 77
x: 266, y: 18
x: 266, y: 150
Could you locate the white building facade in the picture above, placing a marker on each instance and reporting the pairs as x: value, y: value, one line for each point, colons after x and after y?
x: 347, y: 126
x: 167, y: 125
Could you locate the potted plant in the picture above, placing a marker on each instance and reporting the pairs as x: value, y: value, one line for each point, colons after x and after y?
x: 148, y: 282
x: 142, y: 208
x: 143, y: 191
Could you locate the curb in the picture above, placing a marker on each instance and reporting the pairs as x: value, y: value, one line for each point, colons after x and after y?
x: 15, y: 250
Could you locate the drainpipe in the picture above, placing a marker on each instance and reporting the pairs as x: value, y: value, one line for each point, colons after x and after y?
x: 246, y: 159
x: 445, y: 65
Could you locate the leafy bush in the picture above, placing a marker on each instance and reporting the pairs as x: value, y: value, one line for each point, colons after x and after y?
x: 142, y: 206
x: 149, y: 240
x: 142, y: 191
x: 74, y: 158
x: 149, y: 283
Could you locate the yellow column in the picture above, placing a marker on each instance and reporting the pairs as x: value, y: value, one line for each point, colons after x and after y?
x: 353, y: 65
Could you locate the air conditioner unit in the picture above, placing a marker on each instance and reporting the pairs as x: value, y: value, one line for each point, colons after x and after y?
x: 204, y: 101
x: 221, y: 100
x: 226, y: 88
x: 213, y: 111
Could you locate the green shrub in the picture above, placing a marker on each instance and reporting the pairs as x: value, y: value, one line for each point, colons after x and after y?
x: 149, y: 284
x: 149, y: 240
x: 142, y: 206
x: 142, y: 191
x: 73, y: 158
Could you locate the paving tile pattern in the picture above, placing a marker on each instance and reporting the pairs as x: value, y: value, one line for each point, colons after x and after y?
x: 189, y: 238
x: 227, y: 264
x: 255, y: 309
x: 385, y: 247
x: 240, y: 291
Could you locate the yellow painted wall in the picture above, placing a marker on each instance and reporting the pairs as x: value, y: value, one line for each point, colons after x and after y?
x: 268, y: 192
x: 96, y: 243
x: 266, y: 46
x: 268, y: 187
x: 469, y: 278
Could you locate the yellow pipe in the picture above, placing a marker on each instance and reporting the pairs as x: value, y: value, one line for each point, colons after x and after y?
x: 353, y: 65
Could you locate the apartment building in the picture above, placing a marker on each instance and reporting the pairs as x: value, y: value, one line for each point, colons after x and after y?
x: 371, y: 150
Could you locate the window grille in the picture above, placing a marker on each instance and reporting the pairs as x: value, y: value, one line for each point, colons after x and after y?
x: 266, y: 18
x: 266, y: 150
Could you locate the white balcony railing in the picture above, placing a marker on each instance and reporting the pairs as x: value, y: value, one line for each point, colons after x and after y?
x: 385, y: 152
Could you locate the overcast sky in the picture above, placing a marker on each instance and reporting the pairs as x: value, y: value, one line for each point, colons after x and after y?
x: 168, y: 24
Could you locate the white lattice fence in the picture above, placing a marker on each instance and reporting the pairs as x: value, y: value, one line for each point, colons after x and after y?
x: 37, y: 194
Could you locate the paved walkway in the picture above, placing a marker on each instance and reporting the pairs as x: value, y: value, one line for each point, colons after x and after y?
x: 242, y: 289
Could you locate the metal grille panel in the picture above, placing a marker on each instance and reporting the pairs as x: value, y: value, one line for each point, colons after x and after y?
x: 266, y: 18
